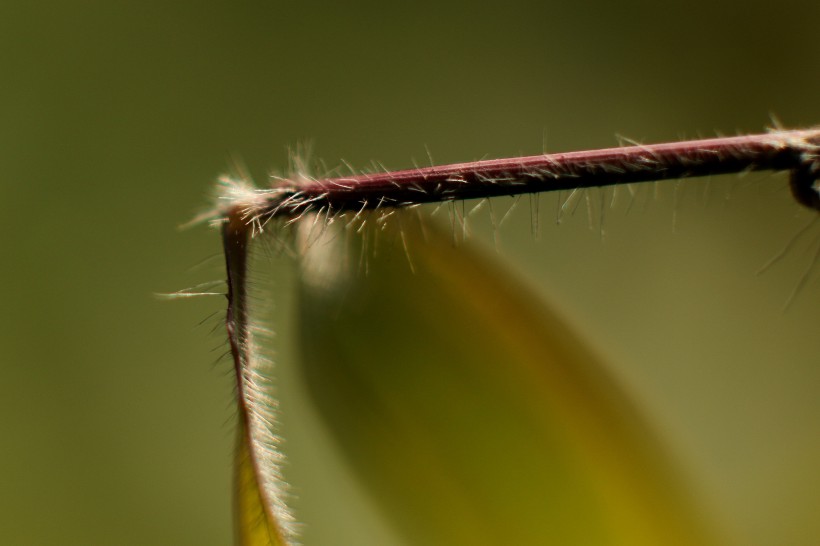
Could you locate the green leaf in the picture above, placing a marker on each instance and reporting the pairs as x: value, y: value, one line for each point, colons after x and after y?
x: 255, y: 526
x: 262, y: 516
x: 471, y: 411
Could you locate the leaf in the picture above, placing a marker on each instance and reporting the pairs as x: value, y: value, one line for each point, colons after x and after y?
x: 472, y: 412
x: 254, y: 524
x: 262, y: 516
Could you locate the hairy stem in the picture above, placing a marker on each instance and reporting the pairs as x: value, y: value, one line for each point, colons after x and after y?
x: 797, y: 151
x: 261, y: 511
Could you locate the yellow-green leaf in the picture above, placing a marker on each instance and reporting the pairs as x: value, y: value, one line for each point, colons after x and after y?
x: 262, y: 516
x: 254, y: 524
x: 469, y: 409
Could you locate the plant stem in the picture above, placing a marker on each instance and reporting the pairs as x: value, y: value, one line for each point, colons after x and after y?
x: 254, y: 437
x: 797, y: 151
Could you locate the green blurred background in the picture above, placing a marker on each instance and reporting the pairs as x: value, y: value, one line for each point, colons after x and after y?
x: 118, y: 116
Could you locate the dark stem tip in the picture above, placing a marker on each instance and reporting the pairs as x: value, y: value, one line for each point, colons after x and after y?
x: 805, y: 181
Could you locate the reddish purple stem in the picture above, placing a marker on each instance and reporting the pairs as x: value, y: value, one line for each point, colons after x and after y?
x: 796, y: 151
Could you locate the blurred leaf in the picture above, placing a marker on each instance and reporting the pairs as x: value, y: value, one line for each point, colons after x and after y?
x: 473, y: 413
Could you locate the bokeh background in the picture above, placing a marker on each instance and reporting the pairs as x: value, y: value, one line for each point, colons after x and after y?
x: 116, y: 419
